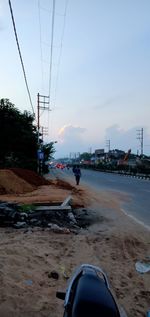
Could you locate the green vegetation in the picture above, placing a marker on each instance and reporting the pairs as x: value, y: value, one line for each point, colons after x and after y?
x: 48, y: 150
x: 85, y: 156
x: 19, y: 139
x: 26, y: 208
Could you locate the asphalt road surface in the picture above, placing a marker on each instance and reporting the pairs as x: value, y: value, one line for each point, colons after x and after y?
x: 138, y: 190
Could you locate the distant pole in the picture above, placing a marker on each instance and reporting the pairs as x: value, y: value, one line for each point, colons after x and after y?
x: 42, y: 104
x: 38, y: 126
x: 44, y: 131
x: 140, y: 137
x: 142, y: 141
x: 108, y: 145
x: 38, y: 110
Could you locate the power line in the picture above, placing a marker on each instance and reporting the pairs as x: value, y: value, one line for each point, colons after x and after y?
x: 53, y: 14
x: 51, y: 51
x: 41, y: 52
x: 61, y: 44
x: 22, y: 64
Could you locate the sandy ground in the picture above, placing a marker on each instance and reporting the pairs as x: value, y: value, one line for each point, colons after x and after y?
x: 114, y: 241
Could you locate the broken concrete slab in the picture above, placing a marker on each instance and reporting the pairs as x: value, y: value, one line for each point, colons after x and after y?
x: 20, y: 225
x: 72, y: 218
x: 63, y: 218
x: 53, y: 208
x: 67, y: 201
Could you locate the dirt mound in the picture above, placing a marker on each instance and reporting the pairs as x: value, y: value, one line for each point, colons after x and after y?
x: 30, y: 177
x: 20, y: 181
x: 63, y: 184
x: 2, y: 190
x: 13, y: 184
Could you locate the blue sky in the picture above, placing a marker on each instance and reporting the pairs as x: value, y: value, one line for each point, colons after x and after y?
x: 102, y: 91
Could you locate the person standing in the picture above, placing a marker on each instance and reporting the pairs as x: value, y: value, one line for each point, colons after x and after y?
x: 77, y: 174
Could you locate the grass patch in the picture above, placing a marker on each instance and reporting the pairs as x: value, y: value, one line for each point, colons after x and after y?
x: 27, y: 208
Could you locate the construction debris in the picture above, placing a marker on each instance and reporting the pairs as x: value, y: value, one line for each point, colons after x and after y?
x: 46, y: 209
x: 67, y: 201
x: 142, y: 267
x: 59, y: 219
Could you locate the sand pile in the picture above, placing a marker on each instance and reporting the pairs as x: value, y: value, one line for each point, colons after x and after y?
x: 12, y: 184
x: 19, y: 181
x: 30, y: 176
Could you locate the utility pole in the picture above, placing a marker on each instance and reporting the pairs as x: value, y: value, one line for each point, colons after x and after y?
x: 140, y: 137
x: 44, y: 132
x: 108, y: 145
x: 78, y: 155
x: 90, y: 150
x: 42, y: 104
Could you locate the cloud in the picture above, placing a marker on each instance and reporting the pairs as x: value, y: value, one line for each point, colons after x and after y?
x: 70, y: 139
x: 69, y: 132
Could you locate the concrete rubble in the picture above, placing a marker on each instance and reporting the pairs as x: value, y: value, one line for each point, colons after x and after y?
x: 60, y: 219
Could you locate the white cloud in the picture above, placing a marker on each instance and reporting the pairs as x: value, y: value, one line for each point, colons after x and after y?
x: 70, y: 139
x: 69, y: 132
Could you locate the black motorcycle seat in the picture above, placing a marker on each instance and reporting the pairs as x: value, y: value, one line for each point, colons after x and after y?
x: 93, y: 299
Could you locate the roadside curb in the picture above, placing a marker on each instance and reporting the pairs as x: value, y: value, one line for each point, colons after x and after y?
x: 145, y: 177
x: 135, y: 176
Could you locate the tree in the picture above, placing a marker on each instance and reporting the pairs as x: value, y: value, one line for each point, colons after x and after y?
x: 48, y: 150
x: 85, y: 156
x: 18, y: 137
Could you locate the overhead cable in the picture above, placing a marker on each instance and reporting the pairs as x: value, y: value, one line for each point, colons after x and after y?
x: 61, y: 45
x: 41, y: 52
x: 51, y: 52
x: 21, y: 59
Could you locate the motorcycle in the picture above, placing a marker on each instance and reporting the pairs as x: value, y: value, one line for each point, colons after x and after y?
x: 88, y: 295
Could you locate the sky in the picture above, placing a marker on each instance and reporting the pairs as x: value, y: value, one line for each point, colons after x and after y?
x: 100, y: 74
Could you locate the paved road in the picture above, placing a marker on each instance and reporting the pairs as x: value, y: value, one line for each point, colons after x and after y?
x: 137, y: 189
